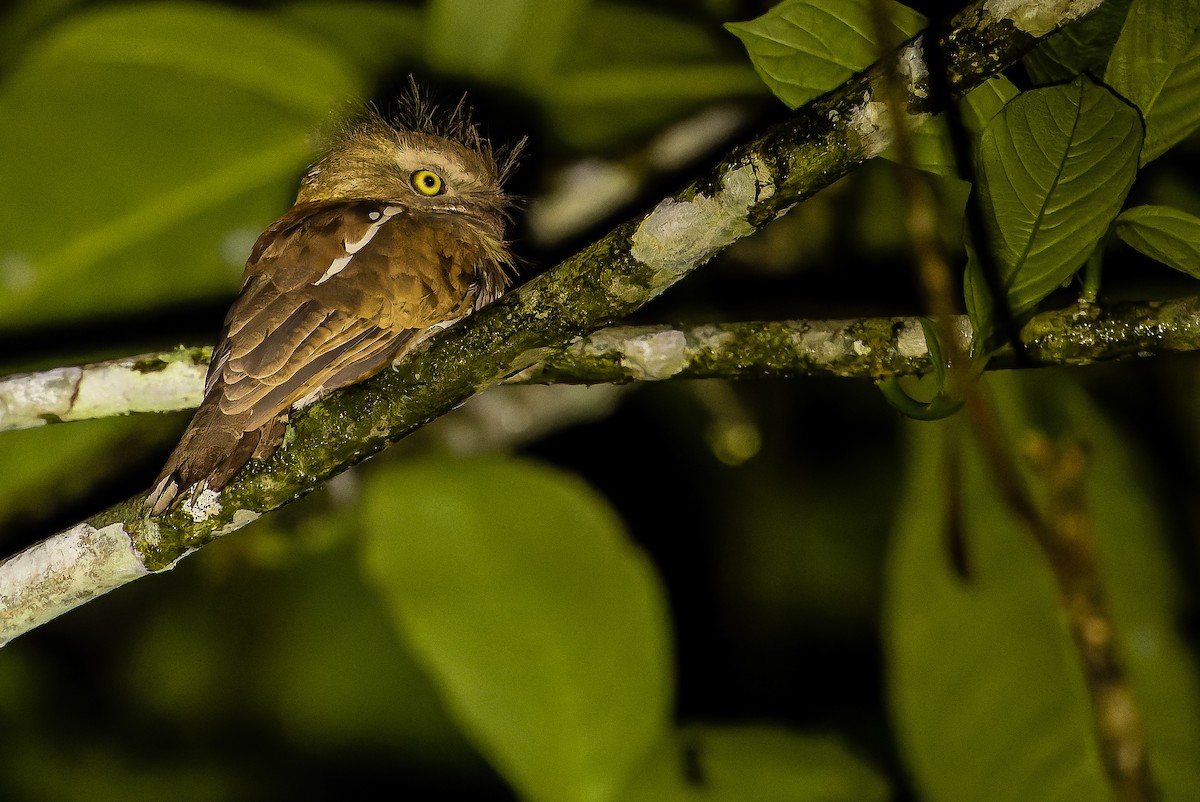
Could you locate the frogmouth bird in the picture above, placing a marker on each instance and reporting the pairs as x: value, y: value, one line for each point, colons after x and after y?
x: 397, y: 231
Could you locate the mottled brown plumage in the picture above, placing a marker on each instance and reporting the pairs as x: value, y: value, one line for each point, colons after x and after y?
x: 396, y: 232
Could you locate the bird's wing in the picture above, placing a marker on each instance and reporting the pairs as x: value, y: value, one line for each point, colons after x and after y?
x: 332, y: 293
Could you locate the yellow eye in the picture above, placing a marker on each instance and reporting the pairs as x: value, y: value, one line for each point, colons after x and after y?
x: 427, y: 183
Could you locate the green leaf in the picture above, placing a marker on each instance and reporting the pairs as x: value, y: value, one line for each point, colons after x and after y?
x: 932, y: 151
x: 803, y: 48
x: 1156, y: 66
x: 1138, y: 561
x: 544, y: 628
x: 612, y: 34
x: 629, y: 70
x: 1167, y: 235
x: 147, y: 146
x: 21, y: 21
x: 376, y: 35
x: 1082, y: 46
x: 1040, y: 162
x: 592, y: 108
x: 755, y: 764
x: 519, y: 41
x: 986, y: 696
x: 985, y: 684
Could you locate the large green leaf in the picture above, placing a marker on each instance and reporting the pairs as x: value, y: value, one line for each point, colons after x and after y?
x: 985, y: 695
x: 932, y: 150
x: 629, y: 69
x: 377, y: 35
x: 21, y: 20
x: 755, y: 764
x: 986, y: 686
x: 803, y: 48
x: 146, y: 146
x: 1082, y: 46
x: 1148, y: 596
x: 515, y: 41
x: 1041, y: 162
x: 544, y: 628
x: 1156, y: 65
x: 1169, y: 235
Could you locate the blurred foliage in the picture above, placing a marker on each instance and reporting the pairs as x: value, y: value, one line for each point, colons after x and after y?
x: 749, y: 592
x: 996, y: 606
x: 518, y: 589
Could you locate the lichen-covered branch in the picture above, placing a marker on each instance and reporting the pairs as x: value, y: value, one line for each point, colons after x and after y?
x: 755, y: 183
x: 873, y: 348
x: 162, y: 382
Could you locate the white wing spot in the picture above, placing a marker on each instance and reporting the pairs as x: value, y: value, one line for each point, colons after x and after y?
x: 335, y: 268
x: 352, y: 248
x: 355, y: 247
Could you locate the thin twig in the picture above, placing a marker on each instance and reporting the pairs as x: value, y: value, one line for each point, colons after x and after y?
x: 865, y: 348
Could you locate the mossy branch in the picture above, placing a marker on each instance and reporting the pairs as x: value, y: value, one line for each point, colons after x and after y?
x: 868, y: 348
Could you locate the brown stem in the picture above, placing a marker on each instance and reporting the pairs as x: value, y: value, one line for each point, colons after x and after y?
x: 1070, y: 545
x: 1065, y: 535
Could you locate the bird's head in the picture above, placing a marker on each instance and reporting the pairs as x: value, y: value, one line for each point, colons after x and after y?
x: 426, y: 160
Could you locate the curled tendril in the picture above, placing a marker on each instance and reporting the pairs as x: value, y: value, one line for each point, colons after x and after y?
x: 949, y: 397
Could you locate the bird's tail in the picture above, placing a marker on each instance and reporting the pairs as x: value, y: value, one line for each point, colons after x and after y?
x: 213, y: 448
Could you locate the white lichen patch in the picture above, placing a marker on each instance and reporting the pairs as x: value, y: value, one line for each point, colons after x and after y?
x: 656, y: 356
x: 822, y: 346
x: 240, y: 519
x: 202, y: 505
x: 872, y: 122
x: 712, y: 338
x: 116, y: 388
x: 26, y: 399
x: 601, y: 341
x: 1039, y: 17
x: 62, y: 572
x: 99, y: 390
x: 911, y: 344
x: 910, y: 341
x: 914, y: 70
x: 625, y: 291
x: 678, y: 235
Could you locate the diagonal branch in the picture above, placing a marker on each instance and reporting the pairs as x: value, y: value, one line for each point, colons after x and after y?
x: 606, y: 281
